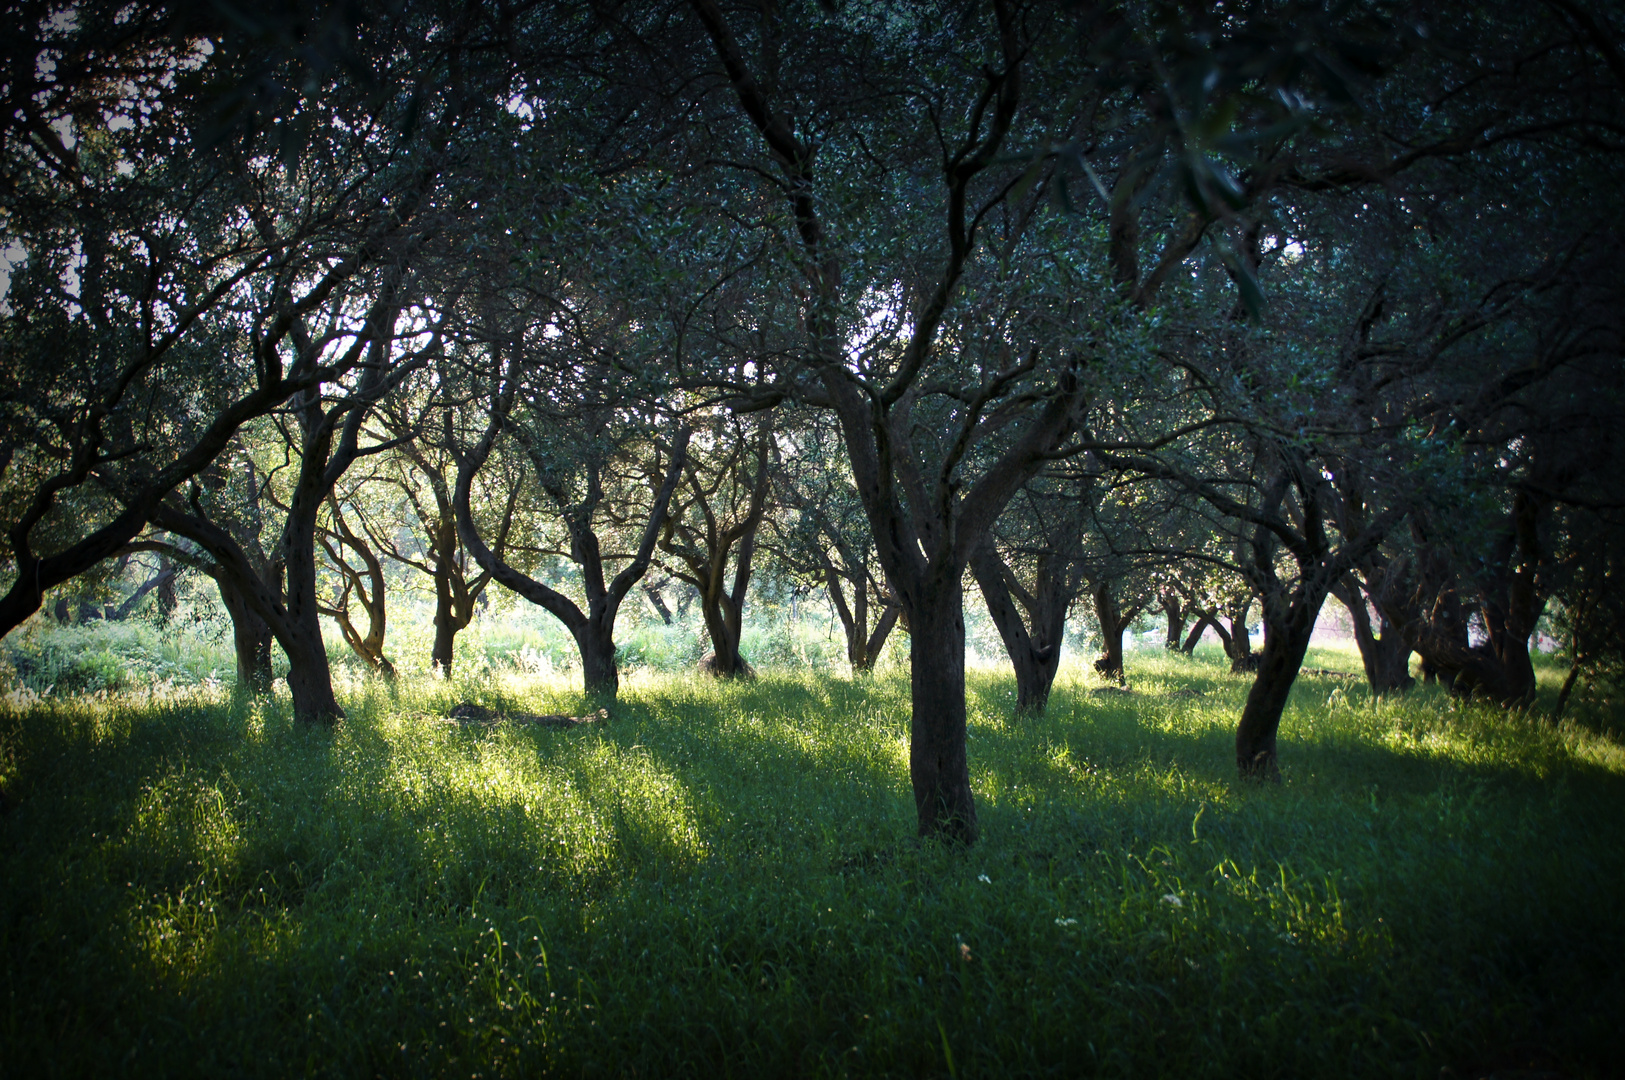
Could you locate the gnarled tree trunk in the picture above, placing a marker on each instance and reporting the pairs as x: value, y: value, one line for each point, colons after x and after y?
x: 1433, y: 621
x: 1385, y: 655
x: 1238, y: 642
x: 1194, y: 638
x: 862, y: 644
x: 1177, y: 612
x: 367, y: 585
x: 593, y: 629
x: 1288, y: 625
x: 251, y: 639
x: 658, y: 602
x: 1035, y: 653
x: 1114, y: 623
x: 938, y: 766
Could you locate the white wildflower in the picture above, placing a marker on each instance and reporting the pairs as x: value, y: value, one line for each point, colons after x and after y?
x: 984, y: 879
x: 1173, y: 900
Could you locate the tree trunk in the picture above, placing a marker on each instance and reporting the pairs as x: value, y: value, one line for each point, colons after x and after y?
x: 1035, y: 656
x: 368, y: 586
x: 1035, y: 678
x: 1113, y: 624
x: 1286, y: 640
x: 446, y: 624
x: 364, y: 647
x: 723, y: 623
x: 1434, y: 622
x: 251, y: 638
x: 164, y: 577
x: 595, y: 640
x: 862, y: 644
x: 877, y: 638
x: 167, y: 600
x: 658, y: 602
x: 455, y: 596
x: 1195, y: 637
x: 1239, y: 643
x: 1174, y: 607
x: 310, y: 679
x: 1568, y: 687
x: 937, y: 762
x: 594, y: 629
x: 1386, y: 658
x: 1513, y: 604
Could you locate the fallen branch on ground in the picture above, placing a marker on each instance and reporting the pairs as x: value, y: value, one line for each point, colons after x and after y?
x: 469, y: 713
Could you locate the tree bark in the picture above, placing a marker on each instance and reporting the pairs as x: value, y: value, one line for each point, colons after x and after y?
x: 938, y: 766
x: 600, y: 676
x: 310, y: 679
x: 251, y: 639
x: 658, y: 602
x: 167, y: 600
x: 862, y: 645
x: 1035, y: 655
x: 1114, y: 623
x: 1238, y: 642
x: 1432, y: 618
x: 877, y: 637
x: 367, y: 585
x: 329, y: 445
x: 1567, y: 688
x: 1195, y: 636
x: 243, y: 585
x: 703, y: 549
x: 456, y: 595
x: 1174, y: 607
x: 1385, y: 657
x: 1512, y: 606
x: 724, y: 623
x: 1286, y: 639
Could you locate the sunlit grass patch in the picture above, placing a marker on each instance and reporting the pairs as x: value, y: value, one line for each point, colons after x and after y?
x: 723, y: 877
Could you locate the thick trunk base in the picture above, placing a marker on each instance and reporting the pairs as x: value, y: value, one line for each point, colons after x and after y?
x: 722, y: 668
x: 443, y: 652
x: 600, y: 676
x: 937, y: 761
x: 310, y: 683
x: 1035, y: 679
x: 1278, y: 666
x: 251, y: 639
x: 313, y: 700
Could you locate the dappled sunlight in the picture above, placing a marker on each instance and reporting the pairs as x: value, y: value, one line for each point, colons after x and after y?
x: 745, y: 849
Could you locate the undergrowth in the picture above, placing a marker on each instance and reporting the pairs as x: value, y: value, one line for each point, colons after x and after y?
x: 722, y: 880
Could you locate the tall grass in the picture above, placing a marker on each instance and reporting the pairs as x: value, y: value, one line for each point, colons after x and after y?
x: 721, y: 880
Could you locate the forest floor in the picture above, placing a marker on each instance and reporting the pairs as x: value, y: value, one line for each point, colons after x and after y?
x: 721, y: 880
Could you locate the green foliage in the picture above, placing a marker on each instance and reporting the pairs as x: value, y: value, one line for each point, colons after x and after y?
x: 107, y: 656
x: 722, y: 878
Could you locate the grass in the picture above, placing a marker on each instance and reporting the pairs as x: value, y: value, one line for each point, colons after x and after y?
x: 721, y: 882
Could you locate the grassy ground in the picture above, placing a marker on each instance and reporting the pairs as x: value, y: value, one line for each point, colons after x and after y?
x: 720, y: 882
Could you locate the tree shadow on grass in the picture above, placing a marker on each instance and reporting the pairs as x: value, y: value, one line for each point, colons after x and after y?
x: 685, y: 877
